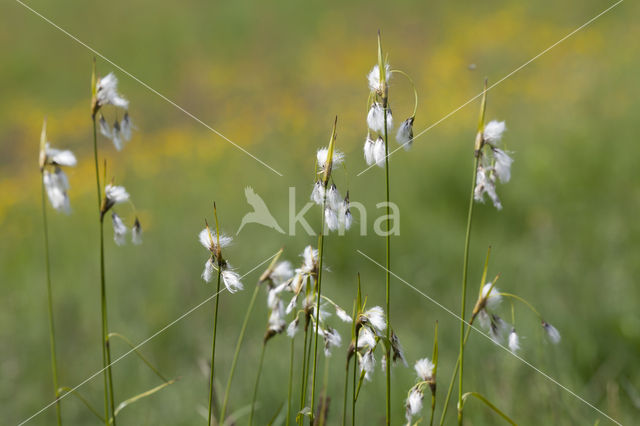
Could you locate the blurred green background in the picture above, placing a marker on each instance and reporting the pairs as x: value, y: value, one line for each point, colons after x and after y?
x: 271, y: 76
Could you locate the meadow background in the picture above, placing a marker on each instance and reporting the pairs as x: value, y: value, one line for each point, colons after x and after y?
x: 271, y: 76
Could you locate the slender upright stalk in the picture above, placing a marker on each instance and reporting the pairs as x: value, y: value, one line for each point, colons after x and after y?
x: 237, y: 353
x: 305, y: 357
x: 355, y: 382
x: 385, y: 105
x: 317, y: 325
x: 465, y: 267
x: 290, y: 388
x: 355, y: 353
x: 346, y: 391
x: 213, y: 345
x: 106, y: 368
x: 52, y: 333
x: 325, y: 183
x: 433, y: 386
x: 107, y: 345
x: 255, y: 388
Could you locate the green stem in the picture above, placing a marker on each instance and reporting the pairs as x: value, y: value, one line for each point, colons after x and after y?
x: 355, y: 380
x: 388, y: 268
x: 488, y: 404
x: 103, y: 291
x: 106, y: 325
x: 453, y: 376
x: 346, y: 391
x: 465, y: 269
x: 255, y: 388
x: 213, y: 346
x: 52, y: 333
x: 317, y: 325
x: 433, y: 386
x: 303, y: 383
x: 520, y: 299
x: 66, y: 390
x: 237, y: 353
x: 290, y: 389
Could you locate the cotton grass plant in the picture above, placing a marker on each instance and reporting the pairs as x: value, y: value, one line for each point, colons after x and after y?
x: 376, y: 151
x: 217, y: 265
x: 105, y: 95
x: 55, y: 186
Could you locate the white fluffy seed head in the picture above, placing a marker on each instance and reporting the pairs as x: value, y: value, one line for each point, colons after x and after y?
x: 414, y: 403
x: 514, y: 341
x: 379, y: 152
x: 310, y: 259
x: 116, y: 194
x: 486, y: 183
x: 366, y: 338
x: 209, y: 240
x: 136, y: 233
x: 283, y: 271
x: 375, y: 118
x: 493, y: 131
x: 331, y: 339
x: 321, y: 157
x: 503, y: 165
x: 334, y: 199
x: 498, y: 328
x: 57, y: 185
x: 375, y: 316
x: 292, y: 328
x: 59, y: 157
x: 119, y: 229
x: 231, y: 279
x: 375, y: 85
x: 107, y: 92
x: 552, y: 332
x: 405, y: 133
x: 368, y: 150
x: 105, y: 129
x: 342, y: 314
x: 318, y: 193
x: 209, y: 269
x: 126, y: 127
x: 331, y: 219
x: 424, y: 369
x: 368, y: 364
x: 493, y: 297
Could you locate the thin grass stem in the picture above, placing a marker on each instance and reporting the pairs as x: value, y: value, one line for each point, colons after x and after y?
x: 346, y: 392
x: 453, y: 376
x: 237, y: 353
x: 103, y: 292
x: 317, y: 322
x: 52, y: 332
x: 467, y: 241
x: 290, y: 387
x: 303, y: 383
x: 213, y: 348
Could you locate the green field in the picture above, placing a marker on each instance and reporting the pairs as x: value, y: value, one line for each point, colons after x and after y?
x: 271, y: 76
